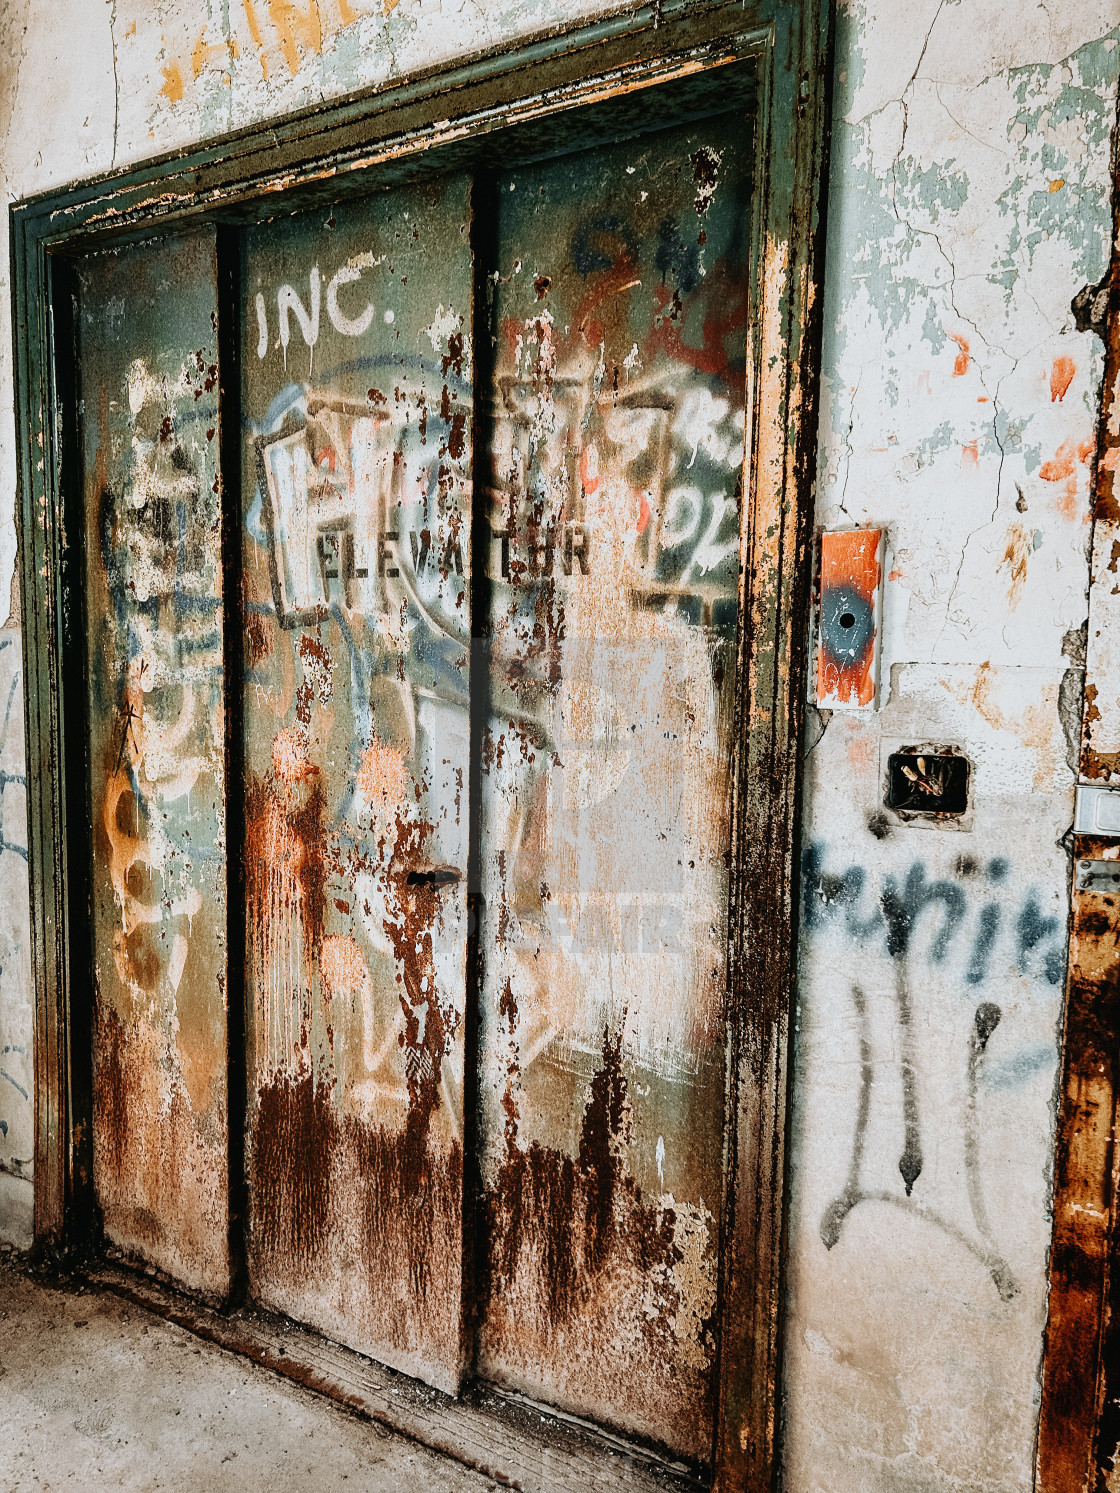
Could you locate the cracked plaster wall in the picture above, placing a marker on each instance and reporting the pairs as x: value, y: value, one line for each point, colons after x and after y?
x: 968, y: 201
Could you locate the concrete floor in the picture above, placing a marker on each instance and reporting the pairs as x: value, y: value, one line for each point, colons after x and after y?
x: 96, y: 1393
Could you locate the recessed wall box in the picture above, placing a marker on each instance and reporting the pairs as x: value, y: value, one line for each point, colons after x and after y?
x: 928, y: 783
x: 1097, y: 811
x: 849, y: 614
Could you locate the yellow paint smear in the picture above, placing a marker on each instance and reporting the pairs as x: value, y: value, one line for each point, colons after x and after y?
x: 173, y: 83
x: 203, y: 51
x: 293, y: 27
x: 290, y: 761
x: 1034, y: 726
x: 255, y: 33
x: 342, y: 967
x: 1019, y: 547
x: 381, y: 776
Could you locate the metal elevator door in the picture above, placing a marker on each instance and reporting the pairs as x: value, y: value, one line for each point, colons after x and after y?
x: 148, y: 372
x: 355, y: 544
x: 619, y: 383
x: 491, y: 443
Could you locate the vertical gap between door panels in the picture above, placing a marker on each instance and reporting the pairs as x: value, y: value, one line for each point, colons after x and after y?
x: 228, y: 253
x: 483, y: 248
x: 75, y: 724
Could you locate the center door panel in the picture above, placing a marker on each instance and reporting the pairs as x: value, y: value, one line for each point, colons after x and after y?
x: 356, y: 534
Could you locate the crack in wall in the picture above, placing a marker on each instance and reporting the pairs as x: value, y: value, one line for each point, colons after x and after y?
x: 905, y: 92
x: 116, y: 79
x: 849, y: 451
x: 980, y: 339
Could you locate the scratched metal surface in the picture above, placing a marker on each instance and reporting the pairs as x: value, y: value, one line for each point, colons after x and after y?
x: 618, y: 452
x: 356, y: 393
x: 148, y: 376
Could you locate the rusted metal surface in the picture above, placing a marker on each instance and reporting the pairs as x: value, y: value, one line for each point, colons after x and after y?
x: 1070, y: 1451
x: 621, y: 313
x: 1100, y: 745
x: 356, y: 623
x: 782, y: 409
x: 154, y: 668
x: 1079, y: 1423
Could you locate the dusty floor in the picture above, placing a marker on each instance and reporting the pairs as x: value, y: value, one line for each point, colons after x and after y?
x: 96, y: 1393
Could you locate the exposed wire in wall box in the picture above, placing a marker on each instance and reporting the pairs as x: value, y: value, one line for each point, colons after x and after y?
x: 1097, y: 811
x: 849, y: 619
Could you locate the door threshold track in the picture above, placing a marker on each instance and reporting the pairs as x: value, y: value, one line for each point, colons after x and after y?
x: 684, y: 1475
x: 506, y: 1437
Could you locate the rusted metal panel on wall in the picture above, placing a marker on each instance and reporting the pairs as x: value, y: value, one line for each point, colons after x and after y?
x: 148, y: 378
x: 1100, y: 745
x: 619, y: 382
x: 1084, y: 1195
x: 356, y: 623
x: 1079, y: 1422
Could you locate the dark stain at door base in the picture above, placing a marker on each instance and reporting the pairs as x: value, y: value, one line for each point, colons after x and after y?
x: 572, y: 1250
x: 335, y: 1198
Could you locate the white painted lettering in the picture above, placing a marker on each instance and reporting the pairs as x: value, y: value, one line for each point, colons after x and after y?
x: 262, y: 327
x: 349, y: 326
x: 287, y: 300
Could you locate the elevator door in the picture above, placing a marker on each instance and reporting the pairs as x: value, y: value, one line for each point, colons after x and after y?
x: 154, y: 669
x: 356, y: 540
x: 483, y: 614
x: 619, y: 380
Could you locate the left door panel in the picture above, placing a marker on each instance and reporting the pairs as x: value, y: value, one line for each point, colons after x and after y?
x: 148, y: 396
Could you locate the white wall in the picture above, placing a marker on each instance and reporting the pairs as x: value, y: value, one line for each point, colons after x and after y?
x: 968, y: 203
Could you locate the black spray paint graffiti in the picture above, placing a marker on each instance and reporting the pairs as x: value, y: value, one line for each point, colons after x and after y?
x: 895, y: 917
x: 910, y: 1163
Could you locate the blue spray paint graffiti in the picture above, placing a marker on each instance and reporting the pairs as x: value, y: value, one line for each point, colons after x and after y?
x: 895, y: 914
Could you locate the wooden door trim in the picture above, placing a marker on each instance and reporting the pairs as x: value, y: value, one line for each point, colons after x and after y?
x: 315, y: 156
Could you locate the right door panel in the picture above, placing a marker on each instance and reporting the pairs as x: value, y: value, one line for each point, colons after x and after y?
x: 619, y: 384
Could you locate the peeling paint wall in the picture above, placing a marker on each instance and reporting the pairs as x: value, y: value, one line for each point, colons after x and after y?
x: 968, y: 203
x: 17, y: 1136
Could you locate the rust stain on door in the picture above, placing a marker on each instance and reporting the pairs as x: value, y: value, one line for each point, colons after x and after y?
x: 621, y: 317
